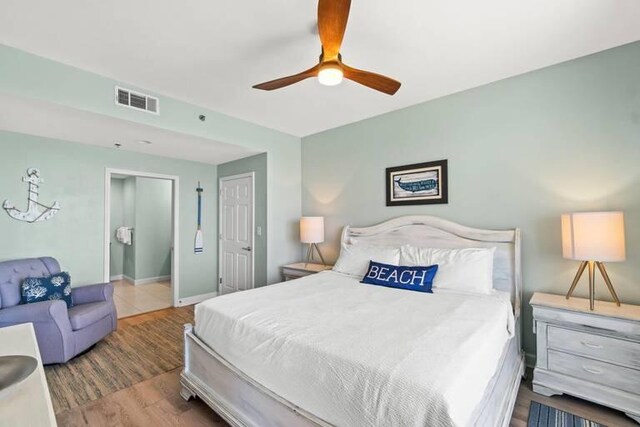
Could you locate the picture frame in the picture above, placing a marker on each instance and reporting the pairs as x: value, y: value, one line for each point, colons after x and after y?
x: 417, y: 184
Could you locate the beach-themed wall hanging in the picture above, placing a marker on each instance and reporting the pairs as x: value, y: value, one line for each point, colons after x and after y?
x: 198, y: 246
x: 36, y: 211
x: 417, y: 184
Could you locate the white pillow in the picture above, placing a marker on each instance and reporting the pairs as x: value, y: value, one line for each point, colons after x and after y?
x: 412, y: 256
x: 469, y: 269
x: 354, y: 259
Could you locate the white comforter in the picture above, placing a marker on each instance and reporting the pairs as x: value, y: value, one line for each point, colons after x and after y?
x: 362, y: 355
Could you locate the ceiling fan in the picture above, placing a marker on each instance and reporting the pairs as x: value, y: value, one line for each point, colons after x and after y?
x: 332, y: 23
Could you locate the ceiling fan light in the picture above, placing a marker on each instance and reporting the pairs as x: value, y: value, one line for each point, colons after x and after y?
x: 330, y: 76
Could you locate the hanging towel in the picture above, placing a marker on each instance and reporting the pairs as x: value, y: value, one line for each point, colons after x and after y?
x: 124, y: 235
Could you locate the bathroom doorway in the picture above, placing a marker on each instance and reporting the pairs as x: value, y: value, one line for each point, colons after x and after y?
x: 140, y: 237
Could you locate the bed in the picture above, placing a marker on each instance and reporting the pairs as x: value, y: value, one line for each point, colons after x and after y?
x: 326, y: 350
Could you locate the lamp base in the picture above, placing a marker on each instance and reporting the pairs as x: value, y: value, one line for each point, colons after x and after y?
x: 313, y: 247
x: 592, y: 285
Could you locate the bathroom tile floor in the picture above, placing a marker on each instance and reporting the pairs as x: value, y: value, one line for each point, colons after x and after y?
x: 131, y: 299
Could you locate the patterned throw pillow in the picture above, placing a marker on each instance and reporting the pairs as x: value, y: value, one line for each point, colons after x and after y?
x: 57, y: 286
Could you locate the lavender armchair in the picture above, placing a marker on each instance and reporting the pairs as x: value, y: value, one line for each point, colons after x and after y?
x: 61, y: 333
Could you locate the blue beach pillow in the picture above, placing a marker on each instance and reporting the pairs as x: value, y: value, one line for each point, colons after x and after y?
x: 410, y: 278
x: 57, y: 286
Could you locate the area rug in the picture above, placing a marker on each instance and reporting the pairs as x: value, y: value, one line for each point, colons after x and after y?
x: 545, y: 416
x: 126, y: 357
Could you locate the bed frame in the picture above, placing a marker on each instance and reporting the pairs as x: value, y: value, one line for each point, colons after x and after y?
x: 243, y: 402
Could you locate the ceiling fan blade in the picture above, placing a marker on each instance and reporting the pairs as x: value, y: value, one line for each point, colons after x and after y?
x: 332, y: 23
x: 289, y: 80
x: 372, y: 80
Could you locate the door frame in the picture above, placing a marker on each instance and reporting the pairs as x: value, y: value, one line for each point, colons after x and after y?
x: 175, y: 229
x: 221, y: 179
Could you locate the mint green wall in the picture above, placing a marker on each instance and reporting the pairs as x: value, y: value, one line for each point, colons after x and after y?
x: 129, y: 208
x: 521, y: 152
x: 152, y: 228
x: 31, y: 76
x: 117, y: 220
x: 74, y: 176
x: 146, y: 207
x: 257, y: 164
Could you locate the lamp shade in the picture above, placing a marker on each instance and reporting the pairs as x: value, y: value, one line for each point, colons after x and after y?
x: 312, y: 229
x: 593, y: 236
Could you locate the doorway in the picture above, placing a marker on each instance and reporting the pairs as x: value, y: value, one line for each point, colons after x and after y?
x: 236, y: 225
x: 141, y: 236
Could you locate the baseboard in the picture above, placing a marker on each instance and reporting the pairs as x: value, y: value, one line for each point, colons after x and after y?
x: 530, y: 360
x: 196, y: 299
x: 116, y: 277
x: 146, y: 280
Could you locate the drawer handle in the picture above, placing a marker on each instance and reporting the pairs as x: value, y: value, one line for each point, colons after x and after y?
x: 592, y: 370
x: 591, y: 345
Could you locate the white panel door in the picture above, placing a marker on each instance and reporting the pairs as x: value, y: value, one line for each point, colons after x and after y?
x: 236, y: 233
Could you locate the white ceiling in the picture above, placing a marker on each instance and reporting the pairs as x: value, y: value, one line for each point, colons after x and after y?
x: 210, y: 52
x: 34, y: 117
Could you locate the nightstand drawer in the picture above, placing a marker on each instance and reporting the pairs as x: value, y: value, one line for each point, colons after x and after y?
x: 599, y: 347
x: 595, y: 371
x: 302, y: 269
x: 294, y: 274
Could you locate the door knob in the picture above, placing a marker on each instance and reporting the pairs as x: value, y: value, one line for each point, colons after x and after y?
x: 248, y: 249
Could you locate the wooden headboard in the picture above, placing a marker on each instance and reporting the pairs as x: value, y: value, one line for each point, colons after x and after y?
x: 434, y: 232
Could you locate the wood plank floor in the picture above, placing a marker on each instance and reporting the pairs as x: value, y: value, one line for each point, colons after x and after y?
x: 157, y: 402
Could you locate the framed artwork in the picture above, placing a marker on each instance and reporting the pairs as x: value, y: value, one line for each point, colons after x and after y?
x: 417, y: 184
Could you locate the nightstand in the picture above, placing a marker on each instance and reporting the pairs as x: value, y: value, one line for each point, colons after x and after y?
x: 301, y: 269
x: 594, y: 355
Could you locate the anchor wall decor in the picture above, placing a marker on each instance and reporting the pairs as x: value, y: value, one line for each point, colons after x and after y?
x: 34, y: 212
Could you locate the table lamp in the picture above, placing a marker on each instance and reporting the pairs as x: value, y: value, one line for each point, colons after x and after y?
x: 312, y: 232
x: 593, y: 238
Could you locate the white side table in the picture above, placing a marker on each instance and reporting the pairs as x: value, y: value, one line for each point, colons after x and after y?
x: 301, y: 269
x: 594, y: 355
x: 29, y: 403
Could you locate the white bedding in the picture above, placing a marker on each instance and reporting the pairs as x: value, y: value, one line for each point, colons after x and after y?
x: 362, y: 355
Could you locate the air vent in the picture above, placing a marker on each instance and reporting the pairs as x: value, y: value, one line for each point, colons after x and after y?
x: 136, y: 100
